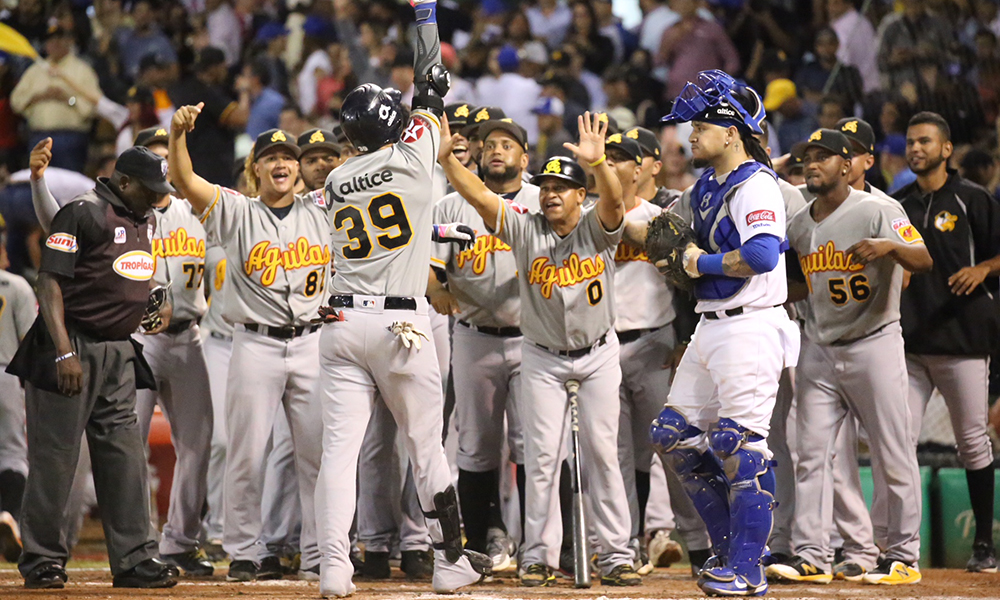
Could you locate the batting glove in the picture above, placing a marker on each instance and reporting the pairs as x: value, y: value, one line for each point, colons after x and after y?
x: 456, y: 233
x: 407, y: 333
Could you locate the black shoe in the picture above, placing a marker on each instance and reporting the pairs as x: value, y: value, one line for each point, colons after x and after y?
x: 417, y: 564
x: 698, y: 559
x: 357, y: 561
x: 150, y: 573
x: 566, y: 562
x: 537, y: 575
x: 983, y: 559
x: 774, y: 558
x: 270, y: 568
x: 838, y: 555
x: 47, y: 576
x: 192, y: 563
x: 376, y: 565
x: 620, y: 576
x: 242, y: 570
x: 214, y: 551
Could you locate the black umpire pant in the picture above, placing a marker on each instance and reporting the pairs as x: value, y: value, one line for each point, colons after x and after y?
x: 105, y: 410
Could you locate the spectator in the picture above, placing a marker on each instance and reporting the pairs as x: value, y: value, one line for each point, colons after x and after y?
x: 319, y: 34
x: 894, y: 114
x: 596, y: 49
x: 273, y: 37
x: 265, y: 103
x: 211, y: 143
x: 512, y: 91
x: 143, y: 39
x: 51, y: 107
x: 857, y: 41
x: 549, y: 21
x: 985, y: 16
x: 794, y: 120
x: 225, y: 30
x: 401, y: 74
x: 953, y: 98
x: 293, y: 122
x: 611, y: 27
x: 10, y: 140
x: 826, y: 75
x: 907, y: 38
x: 462, y: 90
x: 892, y: 158
x: 692, y: 45
x: 757, y: 25
x: 657, y: 18
x: 619, y: 93
x: 29, y: 18
x: 831, y: 110
x: 980, y: 167
x: 562, y: 88
x: 677, y: 171
x: 552, y: 135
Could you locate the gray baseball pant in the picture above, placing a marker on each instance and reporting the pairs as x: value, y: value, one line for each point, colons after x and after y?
x: 218, y: 349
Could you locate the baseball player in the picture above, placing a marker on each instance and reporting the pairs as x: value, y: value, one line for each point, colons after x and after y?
x: 949, y: 316
x: 565, y: 260
x: 852, y: 249
x: 482, y: 293
x: 378, y: 315
x: 719, y: 408
x: 18, y: 309
x: 281, y: 242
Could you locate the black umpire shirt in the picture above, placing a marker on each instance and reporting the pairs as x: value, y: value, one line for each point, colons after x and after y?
x: 960, y: 224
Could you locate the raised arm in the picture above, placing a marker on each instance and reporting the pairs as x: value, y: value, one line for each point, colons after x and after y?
x: 465, y: 182
x: 590, y: 151
x: 431, y: 80
x: 42, y: 199
x: 190, y: 186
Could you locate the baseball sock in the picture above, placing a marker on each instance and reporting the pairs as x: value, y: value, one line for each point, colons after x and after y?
x: 566, y: 503
x: 476, y: 493
x: 981, y: 484
x: 522, y: 478
x: 642, y: 491
x: 11, y: 493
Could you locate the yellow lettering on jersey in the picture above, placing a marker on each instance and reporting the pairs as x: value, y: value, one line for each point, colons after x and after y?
x: 484, y: 246
x: 629, y: 253
x: 572, y: 272
x: 827, y: 258
x: 179, y: 243
x: 299, y: 254
x: 220, y: 275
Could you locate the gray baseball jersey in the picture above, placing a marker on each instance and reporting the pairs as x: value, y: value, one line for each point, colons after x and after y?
x: 646, y: 301
x: 567, y: 284
x: 848, y: 300
x: 179, y: 255
x: 18, y: 308
x: 280, y: 266
x: 483, y: 278
x: 215, y: 285
x: 380, y: 240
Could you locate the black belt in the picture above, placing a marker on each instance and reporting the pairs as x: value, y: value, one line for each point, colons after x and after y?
x: 580, y: 352
x: 494, y: 331
x: 390, y: 303
x: 221, y: 336
x: 732, y: 312
x: 176, y: 327
x: 281, y: 333
x: 632, y: 335
x: 858, y: 339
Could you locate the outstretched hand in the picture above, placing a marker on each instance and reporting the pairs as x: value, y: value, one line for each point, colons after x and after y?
x: 590, y: 148
x: 448, y: 141
x: 185, y: 118
x: 41, y: 156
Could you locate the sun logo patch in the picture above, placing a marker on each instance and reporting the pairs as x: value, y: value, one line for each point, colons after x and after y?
x: 945, y: 221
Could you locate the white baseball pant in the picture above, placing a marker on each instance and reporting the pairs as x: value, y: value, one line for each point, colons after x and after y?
x: 218, y: 348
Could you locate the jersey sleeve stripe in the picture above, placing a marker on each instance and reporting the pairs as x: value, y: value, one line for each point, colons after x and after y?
x: 429, y: 115
x: 438, y: 262
x: 211, y: 207
x: 501, y: 215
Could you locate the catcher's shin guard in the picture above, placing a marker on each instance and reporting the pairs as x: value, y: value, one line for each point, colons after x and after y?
x: 751, y: 497
x: 446, y: 512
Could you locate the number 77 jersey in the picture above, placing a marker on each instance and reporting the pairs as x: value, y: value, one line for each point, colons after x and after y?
x: 381, y: 208
x: 848, y: 300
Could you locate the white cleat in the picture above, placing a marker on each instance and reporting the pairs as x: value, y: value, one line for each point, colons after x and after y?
x: 337, y: 593
x: 330, y: 586
x: 450, y: 577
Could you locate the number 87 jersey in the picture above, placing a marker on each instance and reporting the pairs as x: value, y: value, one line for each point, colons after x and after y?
x: 381, y: 212
x: 848, y: 300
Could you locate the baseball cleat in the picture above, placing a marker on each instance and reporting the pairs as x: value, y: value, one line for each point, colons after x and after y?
x: 537, y: 575
x: 376, y: 565
x: 664, y: 551
x: 309, y: 574
x: 470, y: 568
x: 499, y: 547
x: 270, y: 568
x: 417, y: 564
x: 192, y: 563
x: 699, y: 560
x: 242, y: 570
x: 799, y: 570
x: 983, y: 559
x: 46, y: 576
x: 723, y: 581
x: 848, y: 571
x: 640, y: 558
x: 150, y: 573
x: 621, y: 576
x: 10, y: 537
x: 892, y: 572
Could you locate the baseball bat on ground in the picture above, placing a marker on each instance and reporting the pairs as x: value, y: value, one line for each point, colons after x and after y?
x: 581, y: 562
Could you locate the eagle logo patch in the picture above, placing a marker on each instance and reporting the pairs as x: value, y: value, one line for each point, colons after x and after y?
x: 945, y: 221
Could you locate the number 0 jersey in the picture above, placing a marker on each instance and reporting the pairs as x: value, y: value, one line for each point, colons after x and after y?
x: 848, y: 300
x: 381, y: 210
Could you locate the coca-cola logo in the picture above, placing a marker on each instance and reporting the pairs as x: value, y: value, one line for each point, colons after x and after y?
x: 760, y: 215
x: 136, y: 265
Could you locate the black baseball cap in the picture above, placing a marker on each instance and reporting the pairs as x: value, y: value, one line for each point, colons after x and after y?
x: 151, y: 135
x: 210, y: 56
x: 271, y: 139
x: 508, y: 125
x: 316, y: 139
x: 625, y: 144
x: 478, y: 116
x: 648, y: 141
x: 562, y: 167
x: 860, y: 133
x: 458, y: 114
x: 149, y: 169
x: 140, y: 94
x: 831, y: 140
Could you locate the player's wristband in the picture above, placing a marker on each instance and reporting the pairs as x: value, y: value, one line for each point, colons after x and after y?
x: 599, y: 160
x: 710, y: 264
x: 59, y: 359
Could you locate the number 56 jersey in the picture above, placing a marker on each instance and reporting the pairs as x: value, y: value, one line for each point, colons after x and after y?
x: 848, y: 300
x: 381, y: 210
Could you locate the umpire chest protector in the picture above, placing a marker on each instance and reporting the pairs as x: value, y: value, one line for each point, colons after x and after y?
x: 714, y: 227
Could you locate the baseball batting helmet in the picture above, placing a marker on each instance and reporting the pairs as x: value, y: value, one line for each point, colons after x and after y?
x: 372, y: 117
x: 562, y: 167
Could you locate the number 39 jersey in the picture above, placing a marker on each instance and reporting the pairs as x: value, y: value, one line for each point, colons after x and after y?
x: 277, y: 268
x: 179, y: 256
x: 381, y: 209
x: 848, y: 300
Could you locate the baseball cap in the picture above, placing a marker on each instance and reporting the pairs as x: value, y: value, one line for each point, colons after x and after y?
x: 894, y: 143
x: 273, y: 138
x: 140, y: 94
x: 508, y: 125
x: 320, y: 28
x: 562, y: 167
x: 149, y: 169
x: 479, y: 116
x: 270, y: 31
x: 507, y: 58
x: 778, y: 92
x: 458, y: 114
x: 829, y: 139
x: 797, y: 151
x: 210, y: 56
x: 648, y: 141
x: 859, y: 132
x: 627, y: 145
x: 317, y: 139
x: 151, y: 135
x: 549, y: 105
x: 151, y: 61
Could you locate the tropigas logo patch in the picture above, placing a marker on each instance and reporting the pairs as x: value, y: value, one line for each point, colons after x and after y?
x: 574, y: 270
x: 267, y: 259
x: 945, y: 221
x: 485, y: 245
x: 136, y: 265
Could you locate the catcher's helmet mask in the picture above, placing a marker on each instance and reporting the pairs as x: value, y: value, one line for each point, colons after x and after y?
x: 719, y: 99
x: 372, y: 117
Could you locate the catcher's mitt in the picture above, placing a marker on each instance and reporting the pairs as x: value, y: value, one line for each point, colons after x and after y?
x: 151, y: 319
x: 666, y: 238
